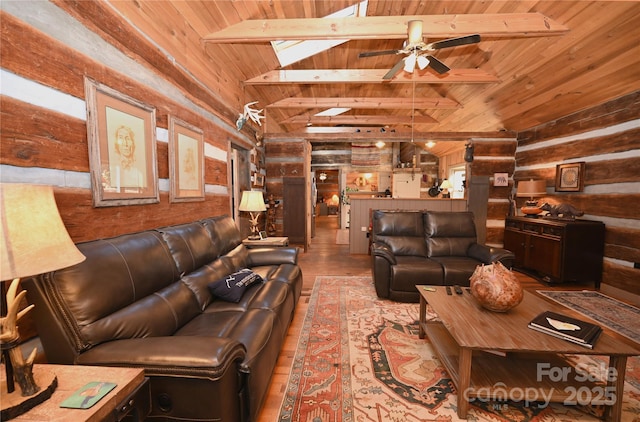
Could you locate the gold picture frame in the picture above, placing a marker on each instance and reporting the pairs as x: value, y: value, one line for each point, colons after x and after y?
x: 570, y: 177
x: 186, y: 161
x: 121, y: 133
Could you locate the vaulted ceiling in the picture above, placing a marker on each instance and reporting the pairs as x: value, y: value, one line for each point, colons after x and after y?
x: 537, y: 61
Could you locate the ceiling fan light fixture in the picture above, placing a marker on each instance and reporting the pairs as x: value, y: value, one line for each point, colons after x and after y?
x: 410, y: 63
x: 430, y: 144
x: 423, y: 62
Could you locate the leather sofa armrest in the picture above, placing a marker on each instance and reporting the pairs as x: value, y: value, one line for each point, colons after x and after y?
x: 174, y: 355
x: 488, y: 254
x: 273, y: 256
x: 382, y: 250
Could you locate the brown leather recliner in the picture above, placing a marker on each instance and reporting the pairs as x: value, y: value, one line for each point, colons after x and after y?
x: 410, y: 248
x: 142, y: 300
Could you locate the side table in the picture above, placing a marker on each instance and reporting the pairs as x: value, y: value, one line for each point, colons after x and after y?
x: 274, y: 241
x: 130, y: 398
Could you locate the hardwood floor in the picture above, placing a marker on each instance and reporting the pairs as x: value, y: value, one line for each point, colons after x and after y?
x: 325, y: 257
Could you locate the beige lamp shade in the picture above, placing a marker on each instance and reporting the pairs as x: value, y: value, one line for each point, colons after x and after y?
x: 252, y: 201
x: 531, y: 188
x: 33, y: 238
x: 446, y: 184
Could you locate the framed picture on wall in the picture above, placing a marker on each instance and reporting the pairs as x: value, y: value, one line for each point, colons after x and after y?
x: 186, y: 161
x: 258, y: 179
x: 570, y: 177
x: 500, y: 179
x: 122, y: 147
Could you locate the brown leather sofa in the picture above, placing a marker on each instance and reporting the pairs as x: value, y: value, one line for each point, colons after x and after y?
x: 142, y: 300
x: 410, y: 248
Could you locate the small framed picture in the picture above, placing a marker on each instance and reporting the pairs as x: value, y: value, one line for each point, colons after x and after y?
x: 500, y: 179
x: 263, y: 234
x: 570, y: 177
x: 186, y: 161
x: 258, y: 179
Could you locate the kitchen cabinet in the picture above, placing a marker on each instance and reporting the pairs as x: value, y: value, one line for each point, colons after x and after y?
x: 557, y: 250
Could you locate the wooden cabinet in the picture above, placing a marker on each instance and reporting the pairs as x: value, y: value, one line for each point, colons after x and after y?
x: 558, y: 251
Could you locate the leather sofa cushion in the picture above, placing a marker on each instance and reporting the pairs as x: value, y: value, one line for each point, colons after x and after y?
x: 449, y: 234
x: 402, y: 231
x: 237, y: 258
x: 253, y: 328
x: 190, y: 246
x: 116, y: 273
x: 224, y: 233
x: 156, y: 315
x: 412, y: 271
x: 457, y: 269
x: 199, y: 280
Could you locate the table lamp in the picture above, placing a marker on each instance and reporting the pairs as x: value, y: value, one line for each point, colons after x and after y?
x: 253, y: 202
x: 33, y: 240
x: 445, y: 186
x: 531, y: 189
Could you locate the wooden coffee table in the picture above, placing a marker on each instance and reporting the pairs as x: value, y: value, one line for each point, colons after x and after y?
x: 494, y: 356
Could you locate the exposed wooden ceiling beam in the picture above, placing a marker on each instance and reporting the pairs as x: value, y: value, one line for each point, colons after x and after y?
x: 365, y: 103
x: 320, y: 76
x: 368, y: 134
x: 360, y: 120
x: 387, y: 27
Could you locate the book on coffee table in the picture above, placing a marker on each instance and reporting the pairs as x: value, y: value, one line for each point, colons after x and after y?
x: 567, y: 328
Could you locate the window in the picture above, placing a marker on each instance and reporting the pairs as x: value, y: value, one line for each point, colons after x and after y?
x: 293, y: 51
x: 457, y: 176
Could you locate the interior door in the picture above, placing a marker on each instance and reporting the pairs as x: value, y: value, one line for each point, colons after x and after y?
x: 294, y: 209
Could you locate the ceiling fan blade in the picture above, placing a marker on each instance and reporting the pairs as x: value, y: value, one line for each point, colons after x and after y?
x: 395, y: 69
x: 378, y: 53
x: 454, y: 42
x: 437, y: 65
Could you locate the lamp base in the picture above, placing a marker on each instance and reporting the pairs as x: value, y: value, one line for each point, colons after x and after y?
x: 531, y: 212
x: 253, y: 237
x: 14, y: 404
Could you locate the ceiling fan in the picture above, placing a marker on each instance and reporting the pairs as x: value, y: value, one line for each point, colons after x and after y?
x: 417, y: 51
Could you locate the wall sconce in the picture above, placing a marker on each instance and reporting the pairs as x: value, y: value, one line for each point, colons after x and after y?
x: 323, y: 176
x: 530, y: 189
x: 380, y: 144
x: 253, y: 202
x: 445, y: 186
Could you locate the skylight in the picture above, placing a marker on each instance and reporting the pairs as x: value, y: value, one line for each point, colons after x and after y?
x: 293, y: 51
x: 333, y: 111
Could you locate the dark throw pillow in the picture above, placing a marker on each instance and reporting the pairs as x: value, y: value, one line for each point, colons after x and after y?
x: 232, y: 287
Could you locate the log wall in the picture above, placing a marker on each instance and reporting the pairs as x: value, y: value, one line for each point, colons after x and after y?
x: 287, y: 158
x: 491, y: 156
x: 44, y: 130
x: 607, y: 139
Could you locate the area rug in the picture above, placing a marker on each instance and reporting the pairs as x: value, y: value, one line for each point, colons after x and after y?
x: 618, y: 316
x: 359, y: 358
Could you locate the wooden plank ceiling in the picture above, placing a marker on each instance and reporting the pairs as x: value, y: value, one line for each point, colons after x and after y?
x: 537, y: 61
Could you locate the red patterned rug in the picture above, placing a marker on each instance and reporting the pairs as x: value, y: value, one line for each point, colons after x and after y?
x: 359, y: 358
